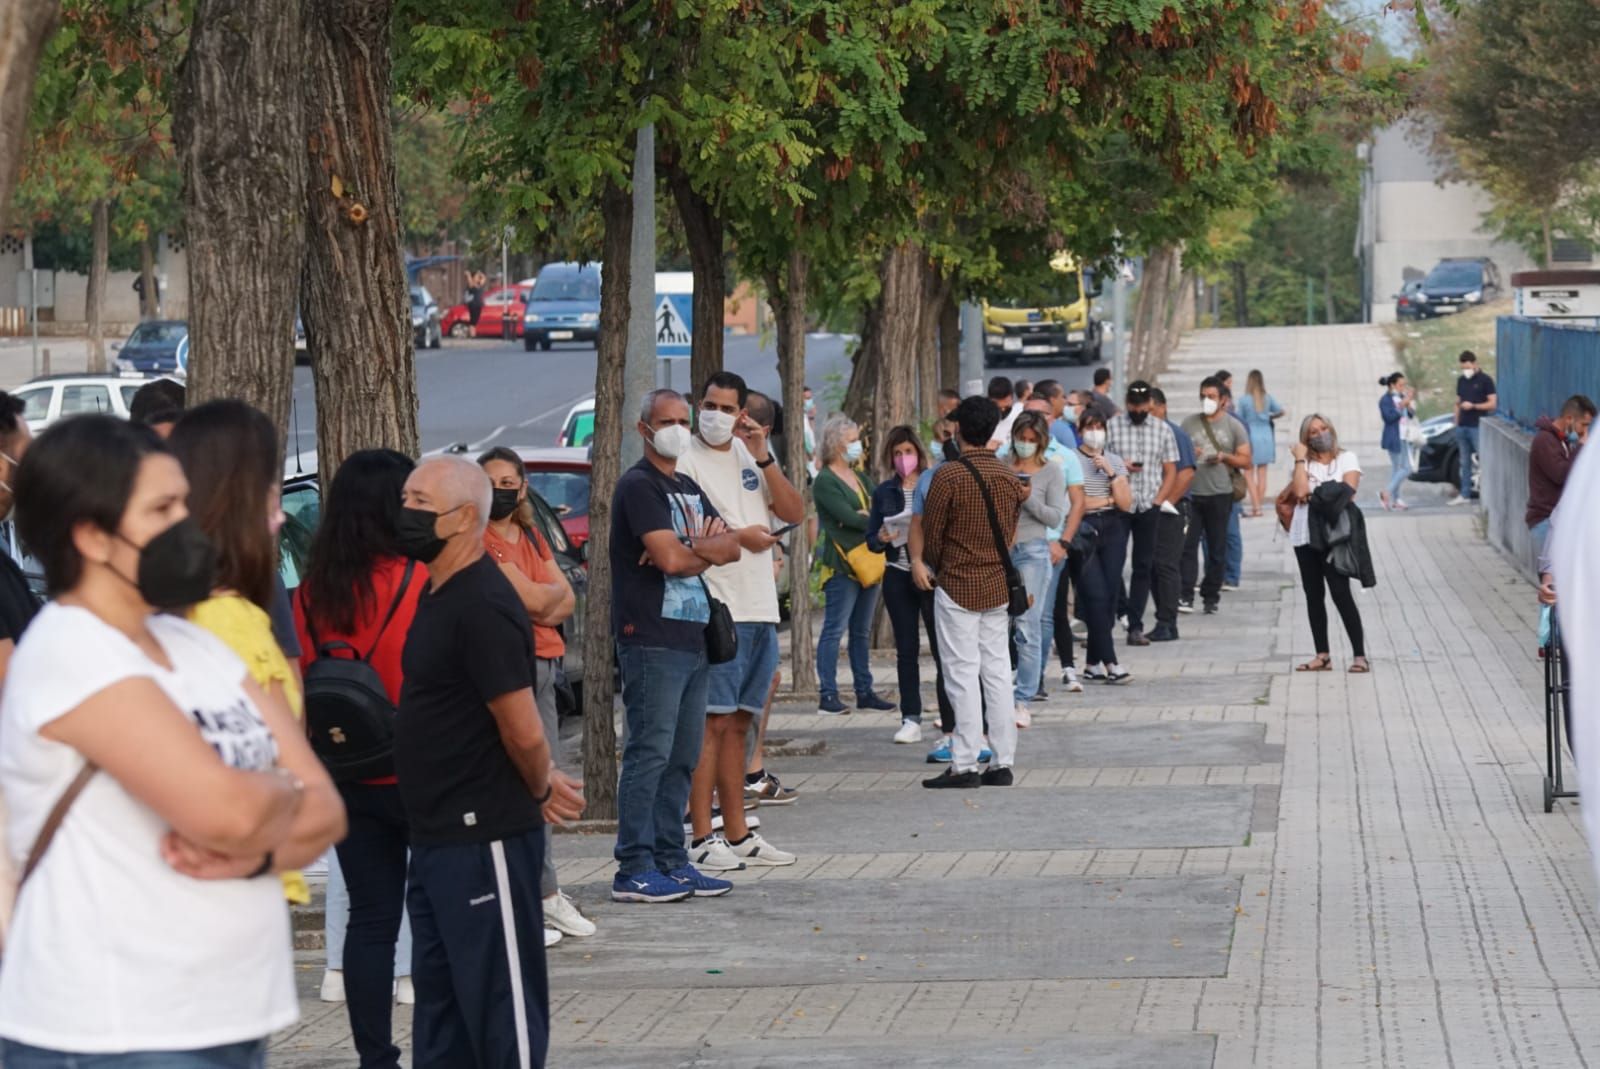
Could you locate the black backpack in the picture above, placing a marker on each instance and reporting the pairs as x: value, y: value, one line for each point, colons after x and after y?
x: 349, y: 717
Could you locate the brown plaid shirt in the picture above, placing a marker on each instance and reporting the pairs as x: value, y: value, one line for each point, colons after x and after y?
x: 958, y: 543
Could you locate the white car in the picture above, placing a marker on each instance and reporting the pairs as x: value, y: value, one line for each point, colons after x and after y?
x: 578, y: 427
x: 54, y: 397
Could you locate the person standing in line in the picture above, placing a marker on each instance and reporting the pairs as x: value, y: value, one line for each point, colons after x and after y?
x: 747, y: 488
x: 18, y: 605
x: 1550, y: 458
x: 1220, y: 444
x: 1318, y: 460
x: 1004, y: 395
x: 519, y: 550
x: 1259, y: 411
x: 810, y: 426
x: 1022, y: 390
x: 1172, y: 530
x: 1397, y: 407
x: 1061, y: 423
x: 970, y: 603
x: 1150, y: 452
x: 1102, y: 548
x: 1099, y: 398
x: 1233, y: 570
x: 1044, y: 510
x: 843, y: 495
x: 1475, y: 398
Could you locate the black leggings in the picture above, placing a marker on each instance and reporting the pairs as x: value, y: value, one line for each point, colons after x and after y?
x: 1314, y: 576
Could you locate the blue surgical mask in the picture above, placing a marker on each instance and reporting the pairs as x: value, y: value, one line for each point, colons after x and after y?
x: 1572, y: 437
x: 852, y: 452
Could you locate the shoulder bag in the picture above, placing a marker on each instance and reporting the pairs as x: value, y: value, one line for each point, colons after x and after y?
x: 722, y: 638
x: 866, y: 567
x: 1017, y: 598
x: 1235, y: 476
x: 349, y: 717
x: 11, y: 883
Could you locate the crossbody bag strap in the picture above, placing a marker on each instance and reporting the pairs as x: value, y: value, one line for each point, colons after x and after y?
x: 994, y: 520
x: 394, y: 607
x: 52, y: 823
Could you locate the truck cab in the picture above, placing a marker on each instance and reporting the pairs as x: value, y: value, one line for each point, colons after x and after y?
x: 1053, y: 322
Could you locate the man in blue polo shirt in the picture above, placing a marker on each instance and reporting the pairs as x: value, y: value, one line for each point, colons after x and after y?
x: 1475, y: 398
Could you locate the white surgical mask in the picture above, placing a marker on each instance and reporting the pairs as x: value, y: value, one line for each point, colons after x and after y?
x: 672, y: 441
x: 1095, y: 439
x: 852, y: 452
x: 1208, y: 405
x: 716, y: 427
x: 1025, y: 450
x: 1468, y: 372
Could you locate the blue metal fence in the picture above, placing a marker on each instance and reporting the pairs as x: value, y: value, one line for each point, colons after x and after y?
x: 1539, y: 364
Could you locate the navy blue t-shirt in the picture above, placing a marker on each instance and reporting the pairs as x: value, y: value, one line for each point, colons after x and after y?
x: 1475, y: 390
x: 648, y: 606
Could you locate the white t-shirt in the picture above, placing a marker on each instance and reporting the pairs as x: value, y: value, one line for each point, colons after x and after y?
x: 1002, y: 430
x: 110, y: 949
x: 1319, y: 473
x: 738, y: 490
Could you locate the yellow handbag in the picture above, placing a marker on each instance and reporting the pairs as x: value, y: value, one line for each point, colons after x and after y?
x: 866, y: 567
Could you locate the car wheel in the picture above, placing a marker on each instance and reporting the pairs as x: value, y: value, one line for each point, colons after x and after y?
x: 1091, y: 355
x: 529, y: 344
x: 461, y: 329
x: 547, y: 345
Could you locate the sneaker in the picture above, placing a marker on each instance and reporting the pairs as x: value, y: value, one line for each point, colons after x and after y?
x: 768, y: 791
x: 561, y: 913
x: 997, y: 777
x: 875, y: 703
x: 712, y: 853
x: 699, y: 884
x: 551, y: 938
x: 1136, y: 638
x: 1186, y: 605
x: 910, y: 732
x: 332, y: 985
x: 1079, y: 628
x: 985, y: 755
x: 648, y: 887
x: 1164, y: 633
x: 1459, y: 500
x: 1094, y: 674
x: 1069, y: 679
x: 1041, y: 696
x: 1117, y: 674
x: 1211, y: 607
x: 831, y: 706
x: 405, y: 992
x: 951, y: 778
x: 757, y: 853
x: 1024, y: 718
x: 940, y: 754
x: 1230, y: 586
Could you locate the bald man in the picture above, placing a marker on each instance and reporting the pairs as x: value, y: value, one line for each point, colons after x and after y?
x: 477, y: 784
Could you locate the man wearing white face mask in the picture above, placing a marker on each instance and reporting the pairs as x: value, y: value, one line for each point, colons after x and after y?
x: 1221, y: 446
x: 746, y: 486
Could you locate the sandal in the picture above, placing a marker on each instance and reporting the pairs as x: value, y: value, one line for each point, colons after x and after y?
x: 1359, y: 667
x: 1320, y: 663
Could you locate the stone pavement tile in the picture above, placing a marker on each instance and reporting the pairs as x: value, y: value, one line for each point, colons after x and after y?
x: 1084, y: 1051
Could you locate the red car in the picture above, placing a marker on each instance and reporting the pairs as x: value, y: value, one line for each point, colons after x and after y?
x: 497, y: 304
x: 561, y: 477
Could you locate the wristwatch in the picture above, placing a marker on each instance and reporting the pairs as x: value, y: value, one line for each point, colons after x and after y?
x: 771, y: 460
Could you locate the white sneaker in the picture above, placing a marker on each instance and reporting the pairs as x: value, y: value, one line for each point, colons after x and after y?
x: 714, y: 855
x: 1069, y: 677
x: 1458, y: 500
x: 332, y: 985
x: 1230, y: 586
x: 756, y: 851
x: 405, y: 992
x: 561, y: 913
x: 910, y: 731
x: 551, y: 938
x: 1024, y: 718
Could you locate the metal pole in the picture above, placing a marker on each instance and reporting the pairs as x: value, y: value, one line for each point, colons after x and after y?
x: 639, y: 365
x: 33, y: 298
x: 1119, y: 348
x: 971, y: 348
x: 1310, y: 297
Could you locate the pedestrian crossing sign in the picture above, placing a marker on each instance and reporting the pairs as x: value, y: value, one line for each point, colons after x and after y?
x: 672, y: 325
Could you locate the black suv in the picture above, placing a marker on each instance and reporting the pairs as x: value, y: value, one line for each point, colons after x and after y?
x: 1454, y: 284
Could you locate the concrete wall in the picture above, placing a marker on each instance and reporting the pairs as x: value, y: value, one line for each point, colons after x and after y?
x: 1503, y: 452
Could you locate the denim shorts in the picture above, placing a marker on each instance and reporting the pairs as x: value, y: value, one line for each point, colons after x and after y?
x: 742, y: 684
x: 248, y: 1055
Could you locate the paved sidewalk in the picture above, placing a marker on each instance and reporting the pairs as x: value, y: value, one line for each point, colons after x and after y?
x: 1222, y: 863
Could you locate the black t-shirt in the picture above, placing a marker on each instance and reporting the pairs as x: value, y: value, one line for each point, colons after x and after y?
x: 1475, y: 390
x: 471, y: 642
x: 17, y: 603
x: 648, y: 606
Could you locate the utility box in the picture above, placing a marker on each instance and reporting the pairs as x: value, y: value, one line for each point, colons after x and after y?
x: 47, y: 288
x: 1571, y: 295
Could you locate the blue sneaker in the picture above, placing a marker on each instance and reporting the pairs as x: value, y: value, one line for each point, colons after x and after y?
x: 648, y: 887
x: 830, y: 705
x: 985, y: 755
x: 699, y: 884
x: 940, y: 755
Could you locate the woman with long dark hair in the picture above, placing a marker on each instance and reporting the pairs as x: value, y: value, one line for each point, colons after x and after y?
x: 1101, y: 547
x: 354, y: 576
x: 1398, y: 408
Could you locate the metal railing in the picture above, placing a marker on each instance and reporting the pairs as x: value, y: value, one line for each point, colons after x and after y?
x: 1539, y: 364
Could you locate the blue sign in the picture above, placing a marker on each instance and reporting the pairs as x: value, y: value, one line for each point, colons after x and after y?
x: 674, y: 324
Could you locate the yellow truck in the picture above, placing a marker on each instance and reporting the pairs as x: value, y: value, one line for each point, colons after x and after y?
x: 1057, y: 324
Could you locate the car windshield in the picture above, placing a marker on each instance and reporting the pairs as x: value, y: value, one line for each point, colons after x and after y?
x: 566, y: 491
x: 1454, y: 275
x: 567, y: 286
x: 418, y: 299
x: 147, y: 333
x: 1061, y: 291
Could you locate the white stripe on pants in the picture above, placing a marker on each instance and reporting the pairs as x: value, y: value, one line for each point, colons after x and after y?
x: 976, y: 653
x: 508, y: 921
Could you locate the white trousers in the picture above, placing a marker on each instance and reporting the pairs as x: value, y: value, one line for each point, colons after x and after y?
x: 976, y: 655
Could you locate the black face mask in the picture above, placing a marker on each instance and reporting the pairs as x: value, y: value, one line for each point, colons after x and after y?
x: 415, y: 536
x: 1137, y: 418
x: 952, y: 451
x: 177, y: 568
x: 505, y: 503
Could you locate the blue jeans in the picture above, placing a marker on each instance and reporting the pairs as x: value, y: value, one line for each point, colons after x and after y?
x: 846, y: 603
x: 1399, y: 469
x: 1047, y: 626
x: 1233, y: 558
x: 1032, y: 561
x: 1467, y: 448
x: 1540, y: 534
x: 251, y: 1054
x: 664, y: 695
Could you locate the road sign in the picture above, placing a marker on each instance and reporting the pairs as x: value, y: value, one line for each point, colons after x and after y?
x: 674, y: 322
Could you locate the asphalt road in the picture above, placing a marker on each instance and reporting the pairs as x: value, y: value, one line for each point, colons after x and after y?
x: 483, y: 392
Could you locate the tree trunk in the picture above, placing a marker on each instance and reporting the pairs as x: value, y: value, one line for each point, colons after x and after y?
x: 355, y: 300
x: 95, y: 294
x: 1241, y: 295
x: 610, y: 424
x: 1328, y: 310
x: 25, y: 26
x: 787, y: 292
x: 150, y: 298
x: 928, y: 356
x: 950, y: 342
x: 703, y: 232
x: 883, y: 394
x: 1549, y: 240
x: 239, y: 129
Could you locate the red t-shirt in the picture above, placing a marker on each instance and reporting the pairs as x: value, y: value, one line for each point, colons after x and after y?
x: 385, y: 658
x: 531, y: 557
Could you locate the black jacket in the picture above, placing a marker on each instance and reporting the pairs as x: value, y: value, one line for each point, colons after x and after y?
x: 887, y: 500
x: 1338, y: 530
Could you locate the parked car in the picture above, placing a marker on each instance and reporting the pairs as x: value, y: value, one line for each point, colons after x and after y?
x: 500, y: 304
x: 1454, y: 284
x: 1405, y: 302
x: 579, y: 425
x: 425, y: 319
x: 564, y: 306
x: 561, y: 477
x: 52, y: 397
x: 154, y: 347
x: 1438, y: 459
